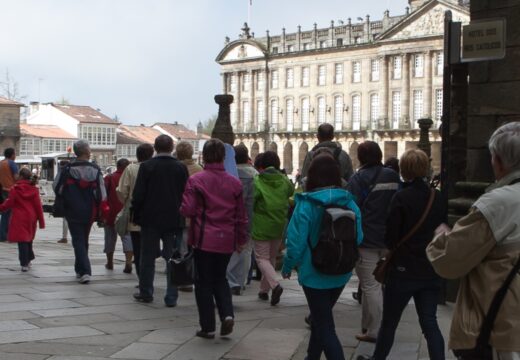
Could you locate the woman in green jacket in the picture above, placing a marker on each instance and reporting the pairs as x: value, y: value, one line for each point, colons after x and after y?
x: 272, y: 191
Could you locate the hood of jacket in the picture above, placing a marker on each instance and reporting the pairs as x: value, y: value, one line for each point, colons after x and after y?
x: 333, y: 145
x: 246, y: 171
x: 26, y: 190
x: 326, y: 196
x: 273, y: 178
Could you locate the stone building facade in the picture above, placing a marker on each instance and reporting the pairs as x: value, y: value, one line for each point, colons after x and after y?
x: 372, y: 80
x: 9, y: 124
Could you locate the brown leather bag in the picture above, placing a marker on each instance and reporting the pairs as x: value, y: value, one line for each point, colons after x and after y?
x: 384, y: 263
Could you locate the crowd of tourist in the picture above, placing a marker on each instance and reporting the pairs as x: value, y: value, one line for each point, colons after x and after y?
x: 235, y: 213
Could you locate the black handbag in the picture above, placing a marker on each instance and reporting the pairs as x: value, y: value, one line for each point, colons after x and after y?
x: 483, y: 351
x: 182, y: 268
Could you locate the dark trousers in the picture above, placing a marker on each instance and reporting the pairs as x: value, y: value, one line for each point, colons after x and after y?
x: 323, y: 331
x: 211, y: 286
x: 150, y: 242
x: 136, y: 246
x: 396, y: 295
x: 4, y: 220
x: 79, y: 232
x: 25, y: 253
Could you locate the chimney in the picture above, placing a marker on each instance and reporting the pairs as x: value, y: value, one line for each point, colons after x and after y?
x: 34, y: 106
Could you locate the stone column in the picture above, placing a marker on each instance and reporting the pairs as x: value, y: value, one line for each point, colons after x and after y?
x: 424, y: 138
x: 406, y: 92
x: 238, y: 103
x: 252, y: 106
x: 428, y: 83
x: 223, y: 129
x: 384, y: 98
x: 224, y: 83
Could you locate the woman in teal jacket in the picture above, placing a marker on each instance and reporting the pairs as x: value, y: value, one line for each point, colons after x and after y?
x: 322, y: 291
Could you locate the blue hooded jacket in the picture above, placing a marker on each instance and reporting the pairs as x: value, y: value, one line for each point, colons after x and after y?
x: 305, y: 222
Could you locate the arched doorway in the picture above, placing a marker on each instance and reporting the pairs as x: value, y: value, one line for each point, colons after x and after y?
x: 353, y: 155
x: 255, y: 149
x: 302, y: 153
x: 273, y: 147
x: 287, y: 158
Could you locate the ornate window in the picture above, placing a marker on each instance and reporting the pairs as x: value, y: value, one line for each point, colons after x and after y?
x: 305, y: 76
x: 246, y: 116
x: 260, y: 80
x: 439, y: 64
x: 322, y: 108
x: 289, y: 77
x: 374, y: 69
x: 438, y: 105
x: 233, y: 83
x: 338, y: 73
x: 322, y: 75
x: 289, y: 108
x: 305, y: 114
x: 274, y: 114
x: 338, y: 112
x: 374, y: 110
x: 356, y: 112
x: 398, y: 65
x: 418, y: 65
x: 274, y: 79
x: 260, y: 115
x: 246, y: 84
x: 417, y: 106
x: 396, y: 109
x: 356, y: 71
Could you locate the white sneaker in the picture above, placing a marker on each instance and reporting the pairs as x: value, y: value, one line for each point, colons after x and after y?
x: 84, y: 279
x: 25, y: 268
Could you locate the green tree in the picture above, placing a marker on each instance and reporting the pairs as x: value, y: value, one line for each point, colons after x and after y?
x: 62, y: 101
x: 209, y: 124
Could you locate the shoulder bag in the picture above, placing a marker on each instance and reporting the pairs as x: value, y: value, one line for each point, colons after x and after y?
x: 383, y: 264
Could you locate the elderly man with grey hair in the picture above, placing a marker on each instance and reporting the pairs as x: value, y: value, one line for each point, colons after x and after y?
x: 80, y: 184
x: 483, y: 249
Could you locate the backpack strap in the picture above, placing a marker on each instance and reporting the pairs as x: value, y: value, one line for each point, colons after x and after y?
x: 489, y: 320
x: 366, y: 189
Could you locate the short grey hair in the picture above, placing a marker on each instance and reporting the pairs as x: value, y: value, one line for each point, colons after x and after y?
x: 505, y: 144
x: 81, y: 147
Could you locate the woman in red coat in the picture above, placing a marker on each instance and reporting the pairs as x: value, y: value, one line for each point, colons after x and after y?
x: 24, y: 201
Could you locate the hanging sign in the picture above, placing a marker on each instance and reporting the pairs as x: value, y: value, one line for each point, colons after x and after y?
x: 484, y: 40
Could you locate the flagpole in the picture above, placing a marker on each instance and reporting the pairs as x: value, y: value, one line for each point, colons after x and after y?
x: 250, y: 3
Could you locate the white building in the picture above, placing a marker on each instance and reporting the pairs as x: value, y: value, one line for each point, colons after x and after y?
x: 83, y: 122
x: 372, y: 80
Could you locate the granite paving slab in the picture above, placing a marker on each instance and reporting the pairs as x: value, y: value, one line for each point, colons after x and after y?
x: 145, y: 351
x: 45, y: 334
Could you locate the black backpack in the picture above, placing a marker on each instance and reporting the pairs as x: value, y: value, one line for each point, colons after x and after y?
x: 336, y: 252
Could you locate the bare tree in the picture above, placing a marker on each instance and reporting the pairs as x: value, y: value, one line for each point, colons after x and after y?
x: 9, y: 88
x: 62, y: 101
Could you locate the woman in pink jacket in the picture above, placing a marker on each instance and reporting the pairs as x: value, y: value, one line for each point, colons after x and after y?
x: 213, y: 201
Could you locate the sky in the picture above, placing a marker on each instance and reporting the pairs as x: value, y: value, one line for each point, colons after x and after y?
x: 146, y: 61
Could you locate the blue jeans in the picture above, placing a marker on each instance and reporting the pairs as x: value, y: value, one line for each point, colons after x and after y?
x: 323, y: 331
x: 396, y: 295
x: 79, y: 232
x: 212, y: 287
x: 150, y: 239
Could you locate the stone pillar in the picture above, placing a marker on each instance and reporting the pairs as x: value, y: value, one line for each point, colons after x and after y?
x: 406, y: 92
x: 428, y: 83
x: 223, y: 129
x: 424, y: 138
x: 224, y: 83
x: 238, y: 103
x: 384, y: 98
x: 252, y: 106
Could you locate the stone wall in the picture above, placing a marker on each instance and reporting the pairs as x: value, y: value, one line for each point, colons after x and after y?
x: 9, y: 127
x: 494, y: 89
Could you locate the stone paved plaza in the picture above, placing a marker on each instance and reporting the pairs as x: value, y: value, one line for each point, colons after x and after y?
x: 46, y: 314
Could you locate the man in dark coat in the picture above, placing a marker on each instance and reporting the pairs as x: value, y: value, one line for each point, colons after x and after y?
x: 156, y: 200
